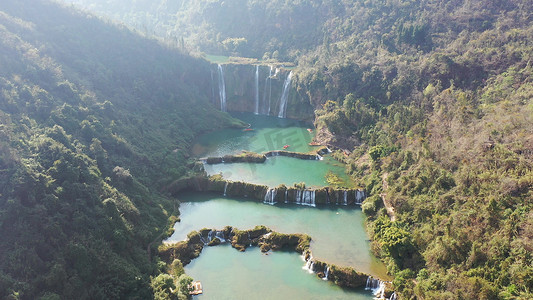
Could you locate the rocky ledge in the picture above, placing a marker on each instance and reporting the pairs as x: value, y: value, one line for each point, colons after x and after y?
x: 297, y: 194
x: 267, y: 240
x: 244, y: 157
x: 252, y: 157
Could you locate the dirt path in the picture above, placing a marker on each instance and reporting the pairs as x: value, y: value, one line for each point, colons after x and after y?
x: 388, y: 206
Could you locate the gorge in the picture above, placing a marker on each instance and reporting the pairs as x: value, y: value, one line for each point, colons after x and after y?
x: 387, y: 145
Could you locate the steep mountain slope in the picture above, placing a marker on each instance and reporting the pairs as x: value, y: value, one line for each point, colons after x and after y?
x: 94, y: 121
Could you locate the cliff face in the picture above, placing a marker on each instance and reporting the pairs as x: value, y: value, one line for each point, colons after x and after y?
x: 242, y: 91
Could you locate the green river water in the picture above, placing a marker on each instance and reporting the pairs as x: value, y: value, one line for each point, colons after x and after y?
x: 269, y: 133
x: 337, y: 231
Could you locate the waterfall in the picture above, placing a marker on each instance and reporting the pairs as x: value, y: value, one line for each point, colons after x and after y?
x: 212, y: 235
x: 225, y: 189
x: 376, y: 286
x: 221, y: 88
x: 213, y: 88
x: 306, y: 197
x: 257, y: 89
x: 268, y: 91
x: 286, y: 198
x: 393, y: 296
x: 309, y: 265
x: 285, y: 97
x: 220, y: 236
x: 345, y: 200
x: 326, y: 272
x: 270, y: 197
x: 319, y: 157
x: 327, y: 197
x: 359, y: 197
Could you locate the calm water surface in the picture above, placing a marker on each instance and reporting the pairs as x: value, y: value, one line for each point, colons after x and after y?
x: 226, y: 273
x: 338, y: 233
x: 268, y: 133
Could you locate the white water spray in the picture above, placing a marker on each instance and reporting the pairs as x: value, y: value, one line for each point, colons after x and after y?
x: 285, y: 97
x: 256, y: 90
x: 221, y: 88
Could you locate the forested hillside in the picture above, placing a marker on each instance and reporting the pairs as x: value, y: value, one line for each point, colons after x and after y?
x: 94, y: 121
x: 431, y: 103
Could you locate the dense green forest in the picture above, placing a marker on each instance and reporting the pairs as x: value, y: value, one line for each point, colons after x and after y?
x: 94, y: 121
x: 430, y: 103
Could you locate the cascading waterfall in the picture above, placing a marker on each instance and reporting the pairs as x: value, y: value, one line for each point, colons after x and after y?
x: 376, y: 286
x: 216, y: 234
x: 286, y: 198
x: 359, y: 197
x: 211, y: 235
x: 326, y: 272
x: 345, y: 198
x: 309, y: 264
x: 393, y: 296
x: 319, y: 157
x: 256, y: 90
x: 270, y: 197
x: 221, y: 88
x: 306, y: 197
x: 268, y: 92
x: 285, y: 97
x: 225, y: 189
x: 220, y: 236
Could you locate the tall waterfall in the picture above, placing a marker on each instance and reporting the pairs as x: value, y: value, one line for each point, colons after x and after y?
x: 225, y: 188
x: 305, y: 197
x: 213, y: 88
x: 256, y: 90
x: 221, y: 88
x: 285, y: 97
x: 270, y: 197
x: 268, y: 92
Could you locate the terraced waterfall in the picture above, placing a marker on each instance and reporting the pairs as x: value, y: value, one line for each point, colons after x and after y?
x: 301, y: 204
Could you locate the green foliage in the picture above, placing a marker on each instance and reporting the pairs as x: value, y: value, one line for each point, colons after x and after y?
x: 91, y: 129
x: 334, y: 180
x: 176, y: 268
x: 163, y: 287
x: 185, y: 284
